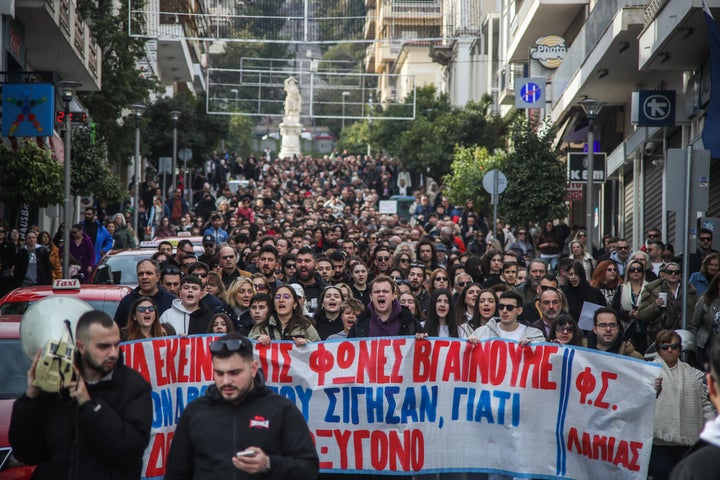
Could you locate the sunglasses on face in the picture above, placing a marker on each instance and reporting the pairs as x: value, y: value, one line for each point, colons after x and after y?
x: 635, y: 270
x: 260, y: 286
x: 382, y: 259
x: 504, y: 306
x: 463, y: 284
x: 672, y: 272
x: 564, y: 328
x: 143, y: 309
x: 231, y: 345
x: 669, y: 346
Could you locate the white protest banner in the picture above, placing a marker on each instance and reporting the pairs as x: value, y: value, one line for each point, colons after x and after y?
x: 397, y: 404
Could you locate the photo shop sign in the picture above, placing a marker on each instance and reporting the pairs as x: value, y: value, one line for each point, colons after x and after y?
x: 395, y: 404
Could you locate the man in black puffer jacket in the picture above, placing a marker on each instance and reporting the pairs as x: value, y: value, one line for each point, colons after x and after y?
x: 95, y: 428
x: 238, y: 413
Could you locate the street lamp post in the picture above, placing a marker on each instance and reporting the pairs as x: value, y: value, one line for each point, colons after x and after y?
x: 344, y: 96
x: 137, y: 111
x: 592, y: 109
x: 67, y: 88
x: 174, y: 116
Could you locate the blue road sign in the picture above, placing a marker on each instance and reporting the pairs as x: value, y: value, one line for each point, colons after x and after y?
x: 529, y: 93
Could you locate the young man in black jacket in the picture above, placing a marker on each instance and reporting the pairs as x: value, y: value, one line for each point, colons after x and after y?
x: 98, y: 425
x: 238, y: 413
x: 703, y: 460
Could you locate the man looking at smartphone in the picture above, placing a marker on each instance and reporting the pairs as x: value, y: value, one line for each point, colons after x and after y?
x: 98, y: 425
x: 240, y: 428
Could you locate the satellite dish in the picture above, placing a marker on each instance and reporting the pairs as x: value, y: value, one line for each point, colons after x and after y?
x: 49, y: 326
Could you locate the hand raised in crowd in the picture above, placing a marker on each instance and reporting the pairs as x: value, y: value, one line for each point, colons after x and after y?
x: 264, y: 340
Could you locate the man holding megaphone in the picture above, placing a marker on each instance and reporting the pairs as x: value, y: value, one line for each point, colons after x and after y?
x: 98, y: 424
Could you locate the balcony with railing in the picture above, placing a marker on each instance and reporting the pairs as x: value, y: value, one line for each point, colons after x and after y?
x: 538, y: 18
x: 413, y: 10
x: 57, y: 39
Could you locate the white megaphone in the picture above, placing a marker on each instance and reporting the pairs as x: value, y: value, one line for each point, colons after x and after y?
x: 49, y: 324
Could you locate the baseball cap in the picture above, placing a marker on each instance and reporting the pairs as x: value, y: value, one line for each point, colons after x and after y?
x: 299, y: 291
x: 208, y: 239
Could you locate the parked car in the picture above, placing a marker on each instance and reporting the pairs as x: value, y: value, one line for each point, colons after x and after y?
x: 100, y: 297
x: 13, y: 383
x: 119, y: 267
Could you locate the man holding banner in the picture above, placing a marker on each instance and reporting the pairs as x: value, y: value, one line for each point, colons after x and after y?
x: 240, y: 428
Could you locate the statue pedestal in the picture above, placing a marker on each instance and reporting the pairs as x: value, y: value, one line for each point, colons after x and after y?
x: 290, y: 139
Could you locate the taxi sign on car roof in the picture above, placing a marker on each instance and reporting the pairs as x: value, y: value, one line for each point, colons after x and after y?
x: 66, y: 284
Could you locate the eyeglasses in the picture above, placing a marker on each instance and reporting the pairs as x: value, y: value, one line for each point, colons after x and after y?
x: 564, y: 328
x: 171, y: 271
x: 260, y: 286
x: 227, y: 257
x: 463, y: 284
x: 143, y: 309
x: 545, y: 288
x: 672, y: 272
x: 382, y: 259
x: 441, y: 279
x: 505, y: 306
x: 522, y: 233
x: 581, y: 235
x: 635, y: 270
x: 612, y: 270
x: 605, y: 326
x: 279, y: 296
x: 669, y: 346
x: 289, y: 265
x: 653, y: 235
x: 201, y: 275
x: 404, y: 260
x: 625, y: 247
x: 706, y: 239
x: 188, y: 252
x: 231, y: 345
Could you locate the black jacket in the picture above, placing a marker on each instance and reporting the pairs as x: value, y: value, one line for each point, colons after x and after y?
x: 409, y: 325
x: 104, y: 439
x: 212, y: 430
x: 44, y: 267
x: 701, y: 463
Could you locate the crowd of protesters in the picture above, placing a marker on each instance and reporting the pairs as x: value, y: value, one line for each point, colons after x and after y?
x: 302, y: 252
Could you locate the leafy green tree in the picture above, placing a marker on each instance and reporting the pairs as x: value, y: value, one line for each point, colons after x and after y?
x: 354, y: 138
x: 469, y: 166
x: 200, y: 132
x: 29, y: 174
x: 427, y: 143
x: 122, y: 83
x: 90, y: 174
x: 536, y: 177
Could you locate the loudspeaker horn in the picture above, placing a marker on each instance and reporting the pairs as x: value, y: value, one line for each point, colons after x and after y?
x: 49, y: 326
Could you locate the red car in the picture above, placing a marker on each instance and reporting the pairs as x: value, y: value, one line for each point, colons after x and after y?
x: 100, y: 297
x: 13, y: 383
